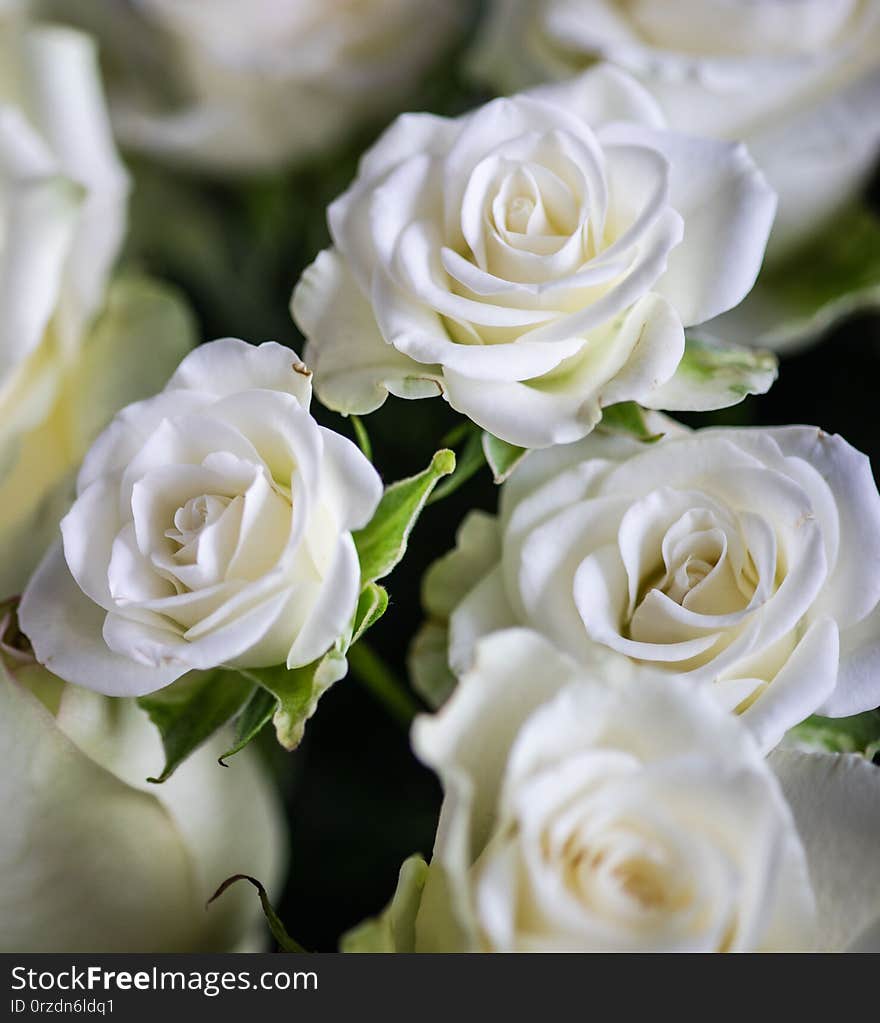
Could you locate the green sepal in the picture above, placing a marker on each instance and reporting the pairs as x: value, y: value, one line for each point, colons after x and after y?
x: 253, y: 719
x: 189, y: 711
x: 279, y: 931
x: 859, y: 733
x: 502, y: 457
x: 628, y: 417
x: 382, y: 543
x: 297, y: 691
x: 288, y: 698
x: 372, y: 604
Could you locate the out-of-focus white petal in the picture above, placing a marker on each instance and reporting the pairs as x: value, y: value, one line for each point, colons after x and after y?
x: 89, y: 863
x: 65, y: 100
x: 835, y: 799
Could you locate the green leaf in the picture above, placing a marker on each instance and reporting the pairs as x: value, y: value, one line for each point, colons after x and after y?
x: 253, y: 719
x: 798, y: 298
x: 857, y: 734
x: 372, y: 604
x: 382, y: 543
x: 297, y: 692
x: 469, y: 462
x: 189, y: 711
x: 279, y: 931
x: 502, y: 457
x: 714, y: 375
x: 628, y: 417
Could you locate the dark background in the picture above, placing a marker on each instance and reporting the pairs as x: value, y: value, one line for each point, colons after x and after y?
x: 358, y: 802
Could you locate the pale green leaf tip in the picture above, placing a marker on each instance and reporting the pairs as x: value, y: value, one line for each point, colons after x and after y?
x: 443, y: 462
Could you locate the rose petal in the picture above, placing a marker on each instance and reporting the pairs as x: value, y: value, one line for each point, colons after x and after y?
x: 65, y: 629
x: 355, y: 368
x: 835, y: 799
x: 228, y: 366
x: 728, y: 210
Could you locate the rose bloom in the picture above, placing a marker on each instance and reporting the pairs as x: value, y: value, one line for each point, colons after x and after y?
x: 95, y: 859
x: 532, y: 261
x: 797, y: 80
x: 212, y: 527
x: 747, y: 560
x: 248, y: 87
x: 72, y: 347
x: 598, y: 806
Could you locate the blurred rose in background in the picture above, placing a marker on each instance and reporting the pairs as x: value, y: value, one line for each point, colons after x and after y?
x: 74, y: 346
x: 241, y: 87
x: 95, y: 859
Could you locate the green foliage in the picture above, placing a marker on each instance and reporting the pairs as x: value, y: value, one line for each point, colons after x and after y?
x: 797, y: 299
x: 628, y: 417
x: 279, y: 931
x: 375, y: 676
x: 857, y: 734
x: 297, y: 692
x: 373, y: 603
x: 502, y: 457
x: 189, y: 711
x: 845, y: 260
x: 382, y: 543
x: 253, y: 719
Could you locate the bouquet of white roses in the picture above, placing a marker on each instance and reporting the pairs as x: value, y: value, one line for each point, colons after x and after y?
x: 628, y: 621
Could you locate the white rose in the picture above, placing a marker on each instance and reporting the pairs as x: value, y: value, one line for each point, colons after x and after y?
x: 593, y: 808
x: 747, y: 560
x: 798, y: 81
x: 62, y: 216
x: 532, y: 261
x: 243, y: 87
x: 212, y: 527
x: 93, y: 859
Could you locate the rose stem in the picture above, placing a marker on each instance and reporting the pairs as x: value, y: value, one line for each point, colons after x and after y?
x: 376, y: 677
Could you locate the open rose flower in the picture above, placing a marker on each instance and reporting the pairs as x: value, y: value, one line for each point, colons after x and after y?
x: 95, y: 859
x: 799, y: 81
x: 532, y: 261
x: 212, y: 527
x: 747, y: 560
x: 598, y: 806
x: 242, y: 87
